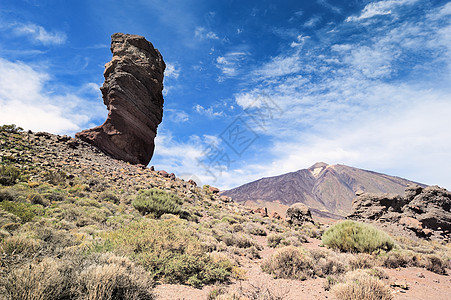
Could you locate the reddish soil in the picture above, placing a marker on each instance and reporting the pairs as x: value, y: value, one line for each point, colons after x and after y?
x: 432, y: 286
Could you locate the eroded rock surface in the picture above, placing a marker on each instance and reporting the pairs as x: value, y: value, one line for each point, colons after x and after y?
x: 298, y: 214
x: 132, y: 92
x: 422, y: 211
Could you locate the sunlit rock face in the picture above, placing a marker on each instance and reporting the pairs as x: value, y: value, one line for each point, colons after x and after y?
x: 132, y: 92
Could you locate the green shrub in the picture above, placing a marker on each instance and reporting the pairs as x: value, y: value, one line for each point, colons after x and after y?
x: 169, y: 251
x: 26, y: 212
x: 55, y: 177
x: 157, y: 203
x: 110, y: 197
x: 12, y: 128
x: 274, y: 240
x: 8, y: 175
x: 351, y: 236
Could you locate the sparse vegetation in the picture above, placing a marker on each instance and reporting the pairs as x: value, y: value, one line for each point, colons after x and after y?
x: 351, y: 236
x: 169, y: 251
x: 157, y: 203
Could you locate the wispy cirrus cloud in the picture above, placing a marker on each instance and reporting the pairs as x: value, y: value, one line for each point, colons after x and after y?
x: 208, y: 112
x: 230, y: 63
x: 202, y: 33
x: 39, y: 34
x: 379, y: 8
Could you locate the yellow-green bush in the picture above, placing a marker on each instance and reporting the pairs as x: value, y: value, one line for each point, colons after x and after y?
x: 25, y: 211
x: 169, y: 251
x: 157, y: 203
x: 8, y: 175
x: 351, y: 236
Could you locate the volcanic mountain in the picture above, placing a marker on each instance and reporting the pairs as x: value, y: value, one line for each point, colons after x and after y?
x: 327, y: 189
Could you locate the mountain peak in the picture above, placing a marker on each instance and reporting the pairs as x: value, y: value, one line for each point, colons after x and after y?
x: 317, y: 168
x: 318, y: 165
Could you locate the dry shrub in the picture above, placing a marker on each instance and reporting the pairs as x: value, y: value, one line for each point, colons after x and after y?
x: 92, y: 278
x: 405, y: 258
x: 289, y: 263
x: 361, y: 261
x: 255, y: 229
x: 19, y: 245
x: 49, y: 279
x: 358, y: 285
x: 326, y: 262
x: 397, y: 259
x: 258, y: 291
x: 115, y: 281
x: 434, y: 264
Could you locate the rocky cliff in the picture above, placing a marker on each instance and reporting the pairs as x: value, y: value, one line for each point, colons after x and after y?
x: 132, y: 92
x: 424, y: 212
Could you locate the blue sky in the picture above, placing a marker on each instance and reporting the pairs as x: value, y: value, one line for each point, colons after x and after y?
x: 252, y: 88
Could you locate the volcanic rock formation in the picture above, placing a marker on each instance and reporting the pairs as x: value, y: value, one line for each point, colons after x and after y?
x: 298, y: 214
x: 132, y: 92
x: 426, y: 212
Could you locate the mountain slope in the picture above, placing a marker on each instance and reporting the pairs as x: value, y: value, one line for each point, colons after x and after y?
x: 323, y: 187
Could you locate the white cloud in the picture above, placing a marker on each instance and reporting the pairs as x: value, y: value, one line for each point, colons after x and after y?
x: 280, y: 66
x: 208, y: 112
x: 202, y: 33
x: 186, y: 159
x: 230, y: 63
x: 312, y: 21
x: 24, y: 102
x: 171, y: 71
x: 177, y: 115
x: 40, y: 34
x: 348, y: 111
x: 379, y: 8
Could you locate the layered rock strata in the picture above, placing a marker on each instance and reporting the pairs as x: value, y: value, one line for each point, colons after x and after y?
x: 132, y: 92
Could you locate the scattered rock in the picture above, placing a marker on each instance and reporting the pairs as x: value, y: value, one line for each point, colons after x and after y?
x: 263, y: 211
x: 298, y: 214
x: 132, y: 92
x: 225, y: 199
x: 213, y: 189
x: 192, y: 182
x: 275, y: 215
x: 172, y: 176
x: 420, y: 275
x: 163, y: 173
x: 401, y: 285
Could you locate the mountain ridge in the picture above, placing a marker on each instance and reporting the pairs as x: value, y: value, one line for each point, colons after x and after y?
x: 322, y: 187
